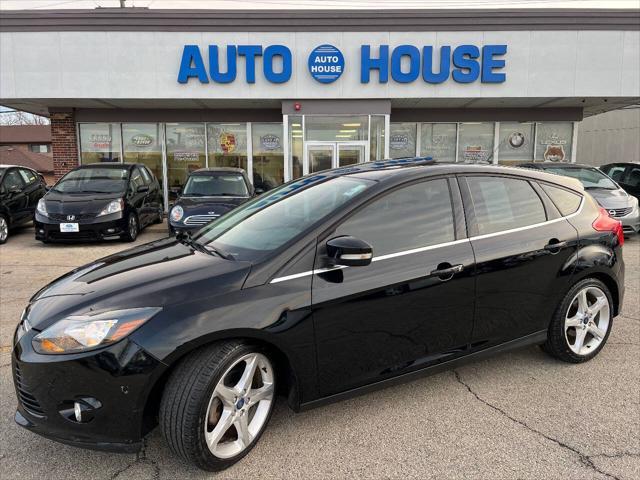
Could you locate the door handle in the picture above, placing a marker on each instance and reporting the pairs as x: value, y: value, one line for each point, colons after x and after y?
x: 555, y: 245
x: 446, y: 271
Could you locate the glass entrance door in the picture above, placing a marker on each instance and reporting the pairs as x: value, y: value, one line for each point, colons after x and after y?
x: 324, y: 155
x: 350, y: 154
x: 320, y: 156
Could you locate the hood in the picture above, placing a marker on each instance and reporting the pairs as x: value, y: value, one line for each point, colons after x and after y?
x: 610, y: 199
x: 160, y: 273
x: 209, y: 205
x: 76, y: 203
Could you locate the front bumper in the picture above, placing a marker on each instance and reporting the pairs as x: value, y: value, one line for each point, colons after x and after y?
x: 98, y: 228
x: 179, y: 227
x: 117, y: 379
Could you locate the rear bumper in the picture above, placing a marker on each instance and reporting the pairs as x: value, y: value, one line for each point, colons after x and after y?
x: 109, y: 226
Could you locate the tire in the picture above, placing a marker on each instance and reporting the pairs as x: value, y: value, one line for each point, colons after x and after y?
x: 569, y: 323
x: 192, y: 410
x: 4, y: 229
x: 160, y: 217
x: 133, y: 228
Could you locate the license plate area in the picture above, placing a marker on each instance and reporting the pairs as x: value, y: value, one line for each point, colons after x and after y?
x: 69, y: 228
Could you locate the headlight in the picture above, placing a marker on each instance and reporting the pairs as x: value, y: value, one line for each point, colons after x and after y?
x: 42, y: 207
x: 79, y: 333
x: 634, y: 202
x: 177, y: 213
x: 113, y: 207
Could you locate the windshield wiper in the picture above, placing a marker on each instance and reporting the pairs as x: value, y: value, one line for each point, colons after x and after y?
x: 185, y: 237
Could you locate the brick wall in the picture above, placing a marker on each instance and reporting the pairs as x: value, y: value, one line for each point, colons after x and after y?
x: 64, y: 144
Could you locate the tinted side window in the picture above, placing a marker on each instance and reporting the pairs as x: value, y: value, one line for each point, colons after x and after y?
x: 146, y: 176
x: 27, y: 176
x: 566, y: 201
x: 415, y: 216
x: 12, y: 179
x: 504, y: 203
x: 136, y: 179
x: 615, y: 171
x: 633, y: 178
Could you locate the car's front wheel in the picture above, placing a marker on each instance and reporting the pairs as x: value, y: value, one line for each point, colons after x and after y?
x: 582, y: 323
x: 216, y: 404
x: 133, y: 228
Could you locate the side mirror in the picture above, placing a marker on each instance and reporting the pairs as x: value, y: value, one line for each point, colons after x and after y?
x: 143, y: 188
x: 349, y: 251
x: 14, y: 189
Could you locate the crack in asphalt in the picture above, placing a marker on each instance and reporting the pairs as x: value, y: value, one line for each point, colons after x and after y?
x: 141, y: 458
x: 584, y: 459
x: 615, y: 455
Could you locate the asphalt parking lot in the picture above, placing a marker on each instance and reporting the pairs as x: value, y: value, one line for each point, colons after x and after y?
x: 517, y: 415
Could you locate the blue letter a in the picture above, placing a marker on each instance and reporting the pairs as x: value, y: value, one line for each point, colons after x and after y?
x: 191, y: 54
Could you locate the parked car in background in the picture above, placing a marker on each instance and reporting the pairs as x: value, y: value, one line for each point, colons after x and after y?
x: 20, y: 190
x: 207, y: 194
x: 618, y: 203
x: 100, y: 201
x: 325, y: 287
x: 627, y: 175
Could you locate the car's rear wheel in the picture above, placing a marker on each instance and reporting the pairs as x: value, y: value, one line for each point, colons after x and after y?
x: 160, y: 216
x: 217, y: 403
x: 132, y: 228
x: 4, y: 229
x: 582, y: 323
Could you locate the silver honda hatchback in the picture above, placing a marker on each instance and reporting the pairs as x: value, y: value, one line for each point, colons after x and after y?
x: 603, y: 189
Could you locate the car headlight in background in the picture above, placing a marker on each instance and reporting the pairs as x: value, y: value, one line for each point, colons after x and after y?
x: 79, y: 333
x: 177, y: 213
x: 113, y: 207
x: 42, y: 207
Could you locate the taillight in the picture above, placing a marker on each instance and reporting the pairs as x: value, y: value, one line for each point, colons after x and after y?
x: 604, y: 223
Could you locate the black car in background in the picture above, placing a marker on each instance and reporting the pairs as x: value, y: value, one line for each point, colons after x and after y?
x: 20, y: 190
x: 626, y: 174
x: 207, y: 194
x: 100, y: 201
x: 325, y: 287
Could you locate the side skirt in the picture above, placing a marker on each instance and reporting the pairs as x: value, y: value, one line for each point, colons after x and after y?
x: 531, y: 339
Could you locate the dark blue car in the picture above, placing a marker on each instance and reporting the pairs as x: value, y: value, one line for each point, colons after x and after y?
x: 207, y: 194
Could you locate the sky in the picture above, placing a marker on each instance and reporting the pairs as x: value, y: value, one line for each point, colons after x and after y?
x: 319, y: 4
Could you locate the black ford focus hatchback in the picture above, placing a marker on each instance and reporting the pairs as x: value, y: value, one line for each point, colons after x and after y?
x: 323, y: 288
x: 100, y: 201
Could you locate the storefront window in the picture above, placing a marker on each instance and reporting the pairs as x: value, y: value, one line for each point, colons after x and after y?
x: 554, y: 142
x: 402, y: 140
x: 516, y: 142
x: 475, y: 142
x: 438, y: 141
x: 100, y: 142
x: 142, y: 145
x: 376, y: 150
x: 268, y: 155
x: 185, y: 153
x: 336, y: 128
x: 295, y: 146
x: 227, y: 145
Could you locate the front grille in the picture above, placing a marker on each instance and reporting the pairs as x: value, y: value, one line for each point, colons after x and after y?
x: 199, y: 219
x: 81, y: 235
x: 620, y: 212
x: 25, y: 397
x: 62, y: 217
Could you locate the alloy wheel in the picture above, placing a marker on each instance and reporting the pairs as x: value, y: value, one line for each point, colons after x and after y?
x: 239, y: 406
x: 133, y: 227
x: 4, y: 229
x: 587, y: 320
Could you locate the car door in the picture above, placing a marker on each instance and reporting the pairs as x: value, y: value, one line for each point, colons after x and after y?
x: 33, y: 188
x: 154, y: 197
x: 16, y: 200
x: 521, y: 244
x: 139, y: 196
x: 412, y: 306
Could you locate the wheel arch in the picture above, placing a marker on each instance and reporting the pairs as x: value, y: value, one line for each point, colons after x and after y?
x: 287, y: 382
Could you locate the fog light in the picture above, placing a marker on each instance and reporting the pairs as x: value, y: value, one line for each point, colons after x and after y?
x: 77, y: 410
x: 41, y: 231
x: 111, y: 230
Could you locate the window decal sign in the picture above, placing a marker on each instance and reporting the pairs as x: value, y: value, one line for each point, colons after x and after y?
x: 227, y: 142
x: 270, y: 142
x: 326, y: 64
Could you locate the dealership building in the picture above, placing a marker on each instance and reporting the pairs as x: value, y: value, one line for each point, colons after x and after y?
x: 286, y: 93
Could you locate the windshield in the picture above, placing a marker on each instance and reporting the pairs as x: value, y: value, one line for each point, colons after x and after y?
x: 93, y: 180
x: 270, y: 221
x: 232, y: 185
x: 590, y: 177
